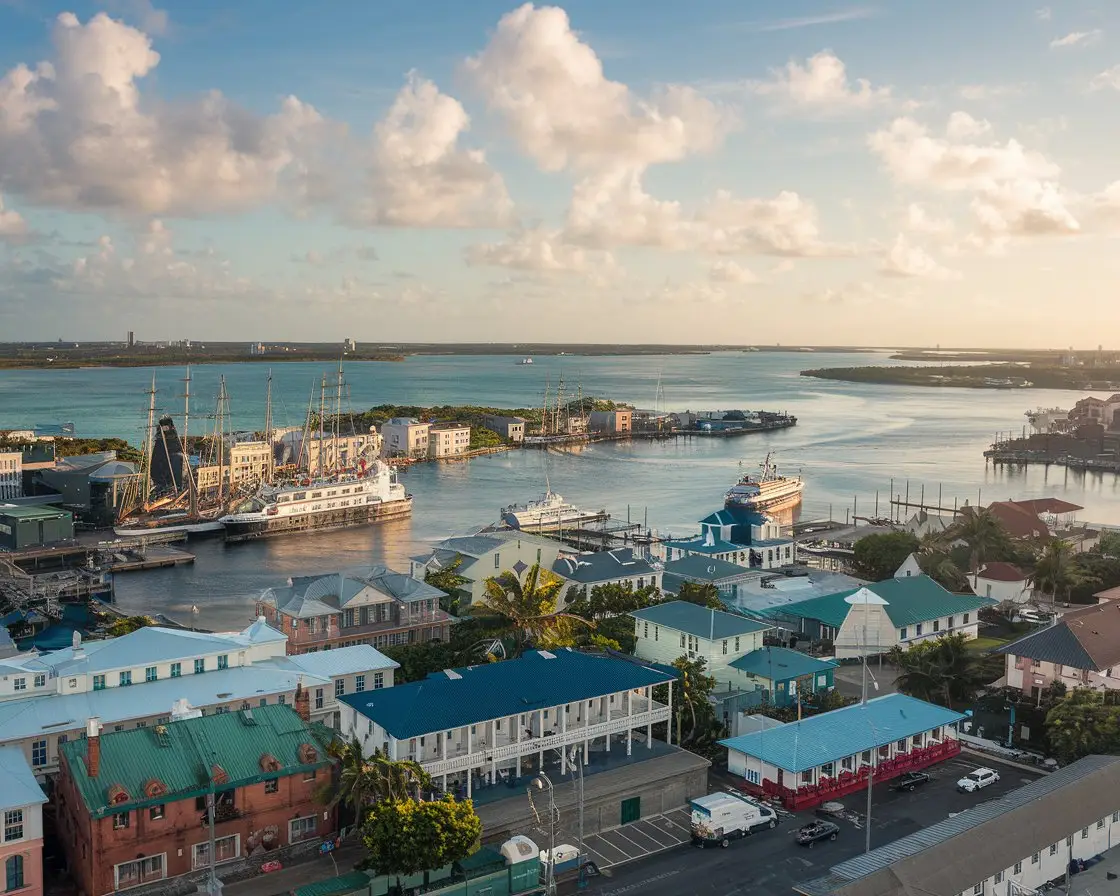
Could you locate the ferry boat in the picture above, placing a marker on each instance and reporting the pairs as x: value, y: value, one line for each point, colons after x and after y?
x: 525, y: 361
x: 549, y: 513
x: 371, y: 494
x: 768, y: 492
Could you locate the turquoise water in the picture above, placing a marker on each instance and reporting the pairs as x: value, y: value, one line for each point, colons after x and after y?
x: 850, y: 441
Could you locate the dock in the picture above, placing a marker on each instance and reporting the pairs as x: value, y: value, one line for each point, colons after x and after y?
x: 154, y: 557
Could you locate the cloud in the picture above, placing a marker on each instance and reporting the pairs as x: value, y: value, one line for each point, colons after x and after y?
x: 674, y: 294
x: 1025, y: 208
x: 919, y: 220
x: 549, y: 88
x: 541, y: 251
x: 419, y: 175
x: 151, y: 20
x: 1076, y: 39
x: 982, y: 92
x: 1109, y: 78
x: 12, y: 225
x: 854, y: 14
x: 730, y: 272
x: 822, y: 85
x: 1043, y: 15
x: 962, y: 126
x: 75, y: 132
x: 903, y: 259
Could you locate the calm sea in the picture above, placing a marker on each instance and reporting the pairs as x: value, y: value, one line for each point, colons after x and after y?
x: 850, y: 441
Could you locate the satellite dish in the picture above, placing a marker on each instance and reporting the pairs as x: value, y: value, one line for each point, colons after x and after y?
x: 712, y: 570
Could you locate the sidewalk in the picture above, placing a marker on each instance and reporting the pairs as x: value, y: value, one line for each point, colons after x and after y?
x: 277, y: 883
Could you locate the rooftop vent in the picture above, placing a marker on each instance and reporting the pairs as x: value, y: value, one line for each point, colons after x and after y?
x: 247, y: 717
x: 452, y: 674
x: 547, y: 655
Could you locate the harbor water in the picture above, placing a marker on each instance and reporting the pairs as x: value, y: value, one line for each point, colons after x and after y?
x: 850, y: 442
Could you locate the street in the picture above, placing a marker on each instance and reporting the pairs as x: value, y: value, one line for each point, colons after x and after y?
x: 770, y: 863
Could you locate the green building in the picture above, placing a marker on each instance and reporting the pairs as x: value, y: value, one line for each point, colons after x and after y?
x: 28, y: 527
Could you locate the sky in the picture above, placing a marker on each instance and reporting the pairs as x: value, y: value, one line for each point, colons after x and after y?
x: 606, y: 171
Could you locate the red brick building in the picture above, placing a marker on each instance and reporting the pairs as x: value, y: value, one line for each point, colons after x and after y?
x: 132, y: 805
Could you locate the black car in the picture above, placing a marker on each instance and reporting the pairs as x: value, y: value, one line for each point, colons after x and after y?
x: 911, y: 781
x: 817, y: 830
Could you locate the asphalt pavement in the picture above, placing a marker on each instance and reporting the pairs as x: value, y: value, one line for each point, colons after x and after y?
x: 769, y: 863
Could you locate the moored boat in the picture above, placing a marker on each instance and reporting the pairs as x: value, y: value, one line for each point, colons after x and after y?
x: 767, y: 492
x: 549, y: 513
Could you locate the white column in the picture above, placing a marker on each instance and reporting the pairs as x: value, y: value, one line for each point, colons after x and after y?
x: 393, y: 748
x: 629, y: 724
x: 493, y: 745
x: 540, y: 733
x: 563, y: 739
x: 649, y: 725
x: 520, y: 724
x: 443, y: 745
x: 669, y: 724
x: 470, y: 769
x: 610, y: 734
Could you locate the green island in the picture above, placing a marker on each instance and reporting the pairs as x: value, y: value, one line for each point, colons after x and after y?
x: 979, y: 376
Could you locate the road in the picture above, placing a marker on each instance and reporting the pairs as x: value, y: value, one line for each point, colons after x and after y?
x: 770, y: 863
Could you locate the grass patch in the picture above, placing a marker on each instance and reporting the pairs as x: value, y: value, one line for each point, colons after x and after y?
x: 980, y: 644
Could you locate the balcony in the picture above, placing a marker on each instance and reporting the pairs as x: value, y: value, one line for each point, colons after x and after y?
x: 224, y: 813
x: 334, y: 631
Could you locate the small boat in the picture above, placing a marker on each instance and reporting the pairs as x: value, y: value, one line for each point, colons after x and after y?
x: 525, y: 361
x: 548, y: 513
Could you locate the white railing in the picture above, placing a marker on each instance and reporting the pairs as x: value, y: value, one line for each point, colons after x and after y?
x: 529, y: 746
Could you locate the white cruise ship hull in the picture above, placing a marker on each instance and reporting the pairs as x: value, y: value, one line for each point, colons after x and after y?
x: 550, y: 522
x: 248, y: 526
x: 783, y: 497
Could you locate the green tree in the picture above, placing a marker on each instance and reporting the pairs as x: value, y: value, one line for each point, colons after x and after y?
x: 1109, y: 544
x: 1054, y: 572
x: 614, y: 599
x: 936, y: 561
x: 405, y: 837
x: 481, y: 437
x: 360, y: 781
x: 529, y: 606
x: 450, y: 581
x: 691, y: 691
x: 705, y: 594
x: 943, y: 670
x: 1084, y: 722
x: 878, y: 557
x: 984, y: 534
x: 128, y: 624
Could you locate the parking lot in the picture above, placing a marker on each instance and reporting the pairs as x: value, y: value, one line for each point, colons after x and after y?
x: 639, y: 839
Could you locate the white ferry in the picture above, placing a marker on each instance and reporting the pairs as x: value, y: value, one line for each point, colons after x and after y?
x: 369, y: 495
x: 768, y: 492
x: 549, y: 513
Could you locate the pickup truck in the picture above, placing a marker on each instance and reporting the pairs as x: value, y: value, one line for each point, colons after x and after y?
x: 719, y: 818
x: 911, y: 781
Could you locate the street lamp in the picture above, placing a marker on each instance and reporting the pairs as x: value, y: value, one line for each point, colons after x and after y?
x: 867, y: 598
x: 577, y: 756
x: 542, y: 782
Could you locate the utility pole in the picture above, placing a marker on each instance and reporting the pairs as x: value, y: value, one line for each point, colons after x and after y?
x: 582, y: 876
x: 268, y: 430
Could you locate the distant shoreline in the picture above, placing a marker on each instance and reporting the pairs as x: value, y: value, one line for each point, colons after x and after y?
x: 982, y: 376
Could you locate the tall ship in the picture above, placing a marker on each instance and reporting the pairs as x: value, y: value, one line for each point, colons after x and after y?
x: 767, y: 491
x: 549, y: 513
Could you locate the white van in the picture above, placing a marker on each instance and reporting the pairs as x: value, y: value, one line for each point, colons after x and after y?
x: 723, y: 817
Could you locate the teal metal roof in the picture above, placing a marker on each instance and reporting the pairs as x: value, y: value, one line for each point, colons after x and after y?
x: 780, y: 664
x: 693, y: 619
x: 705, y: 569
x: 536, y: 680
x: 180, y: 755
x: 354, y: 882
x: 20, y: 787
x: 831, y: 736
x: 700, y: 545
x: 910, y: 600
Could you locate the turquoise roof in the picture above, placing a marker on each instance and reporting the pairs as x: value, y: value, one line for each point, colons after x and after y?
x: 701, y: 622
x: 734, y: 517
x: 20, y: 787
x: 704, y: 569
x: 910, y: 600
x: 831, y: 736
x: 780, y: 664
x: 536, y: 680
x: 699, y: 545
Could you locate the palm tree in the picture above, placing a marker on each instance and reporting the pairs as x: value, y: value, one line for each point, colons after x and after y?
x: 936, y: 562
x: 363, y: 781
x: 1052, y: 570
x: 982, y: 531
x: 941, y: 671
x: 530, y: 608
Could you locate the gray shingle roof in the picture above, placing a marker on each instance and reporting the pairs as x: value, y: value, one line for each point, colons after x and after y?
x: 1053, y: 644
x: 603, y: 566
x: 695, y: 620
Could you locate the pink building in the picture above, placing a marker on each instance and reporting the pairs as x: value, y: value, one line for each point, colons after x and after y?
x: 21, y: 837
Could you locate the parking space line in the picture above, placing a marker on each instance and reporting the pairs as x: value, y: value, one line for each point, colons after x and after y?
x: 657, y: 835
x: 639, y: 836
x: 602, y: 845
x: 603, y: 861
x: 644, y: 849
x: 618, y: 842
x: 686, y: 829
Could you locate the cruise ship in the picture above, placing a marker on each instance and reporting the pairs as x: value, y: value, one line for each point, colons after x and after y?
x: 768, y: 492
x: 549, y: 513
x: 371, y: 494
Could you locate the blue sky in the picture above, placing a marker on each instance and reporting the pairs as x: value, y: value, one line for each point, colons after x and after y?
x: 920, y: 173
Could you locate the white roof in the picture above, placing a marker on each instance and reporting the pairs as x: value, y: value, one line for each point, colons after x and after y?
x: 20, y: 787
x: 717, y: 801
x: 342, y: 661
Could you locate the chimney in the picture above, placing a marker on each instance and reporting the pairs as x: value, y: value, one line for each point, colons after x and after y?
x: 303, y: 702
x: 93, y: 746
x: 76, y: 646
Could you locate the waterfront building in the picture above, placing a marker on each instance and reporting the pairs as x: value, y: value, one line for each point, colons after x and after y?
x: 1008, y: 846
x: 305, y: 450
x: 924, y: 523
x: 21, y: 836
x: 1003, y: 583
x: 827, y: 756
x: 512, y: 429
x: 1105, y: 411
x: 617, y: 422
x: 494, y: 721
x: 483, y: 556
x: 904, y: 611
x: 700, y: 570
x: 369, y: 605
x: 91, y: 486
x: 404, y: 437
x: 448, y: 440
x: 1081, y: 649
x: 736, y: 535
x: 621, y: 566
x: 132, y: 805
x: 33, y: 526
x: 11, y: 475
x: 134, y: 680
x: 349, y: 345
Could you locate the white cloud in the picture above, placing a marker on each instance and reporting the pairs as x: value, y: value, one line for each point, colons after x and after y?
x: 962, y: 126
x: 845, y: 15
x: 549, y: 88
x: 787, y: 225
x: 982, y: 92
x: 730, y: 272
x: 541, y: 251
x: 1044, y: 14
x: 903, y: 259
x: 1109, y: 78
x: 821, y: 85
x: 919, y: 220
x: 1025, y: 208
x: 675, y: 294
x: 1076, y: 39
x: 12, y: 224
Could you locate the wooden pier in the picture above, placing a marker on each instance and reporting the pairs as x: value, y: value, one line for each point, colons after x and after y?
x: 156, y: 557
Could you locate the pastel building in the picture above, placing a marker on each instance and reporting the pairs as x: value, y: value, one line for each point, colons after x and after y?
x: 739, y: 536
x: 621, y: 566
x: 404, y: 437
x: 21, y: 837
x: 481, y: 556
x: 448, y: 440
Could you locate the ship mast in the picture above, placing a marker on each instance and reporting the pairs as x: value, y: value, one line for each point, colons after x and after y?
x: 186, y: 476
x: 559, y: 402
x: 544, y: 410
x: 268, y: 428
x: 150, y: 445
x: 337, y: 418
x: 223, y: 406
x: 305, y: 442
x: 322, y: 402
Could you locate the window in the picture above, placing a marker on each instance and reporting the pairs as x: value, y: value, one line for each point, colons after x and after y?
x: 736, y: 643
x: 682, y: 642
x: 126, y: 678
x: 1069, y: 841
x: 176, y: 670
x: 99, y: 682
x: 497, y: 561
x: 725, y: 646
x: 13, y: 825
x: 282, y: 699
x: 807, y: 776
x: 20, y: 684
x: 901, y: 634
x: 359, y: 683
x: 1084, y: 833
x: 1053, y: 849
x: 865, y: 757
x: 902, y: 745
x: 826, y: 770
x: 155, y: 813
x: 318, y: 698
x: 999, y: 877
x: 120, y: 821
x: 918, y: 630
x: 753, y: 777
x: 150, y: 674
x: 846, y: 763
x: 348, y: 619
x: 39, y: 752
x: 199, y: 667
x: 1100, y: 824
x: 1035, y: 858
x: 309, y: 775
x: 301, y: 829
x: 978, y: 890
x: 13, y: 873
x: 340, y: 687
x: 272, y: 786
x: 378, y: 680
x: 937, y: 625
x: 141, y: 871
x: 1018, y: 867
x: 656, y: 632
x: 964, y: 619
x: 645, y: 630
x: 226, y: 849
x: 1115, y: 817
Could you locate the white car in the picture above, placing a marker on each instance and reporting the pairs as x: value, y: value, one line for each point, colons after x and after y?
x: 976, y: 780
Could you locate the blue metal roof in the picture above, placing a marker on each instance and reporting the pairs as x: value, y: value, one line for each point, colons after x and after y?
x: 604, y: 566
x: 20, y: 787
x: 693, y: 619
x: 705, y: 569
x: 780, y: 664
x: 739, y: 516
x: 700, y: 545
x: 831, y: 736
x: 467, y: 696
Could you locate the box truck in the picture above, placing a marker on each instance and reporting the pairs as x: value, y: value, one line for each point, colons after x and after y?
x: 723, y: 817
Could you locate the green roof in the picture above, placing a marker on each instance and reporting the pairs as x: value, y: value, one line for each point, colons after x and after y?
x: 180, y: 756
x: 344, y: 884
x: 910, y: 600
x: 780, y: 664
x: 23, y: 512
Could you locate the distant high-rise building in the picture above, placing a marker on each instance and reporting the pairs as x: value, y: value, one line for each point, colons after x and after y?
x: 349, y: 345
x: 131, y: 339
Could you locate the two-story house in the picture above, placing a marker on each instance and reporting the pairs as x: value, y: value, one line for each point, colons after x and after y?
x: 134, y: 680
x: 736, y: 535
x: 21, y: 836
x: 367, y: 605
x: 1002, y: 582
x: 448, y: 439
x: 404, y: 437
x: 621, y: 566
x: 480, y: 557
x: 134, y: 806
x: 1080, y: 649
